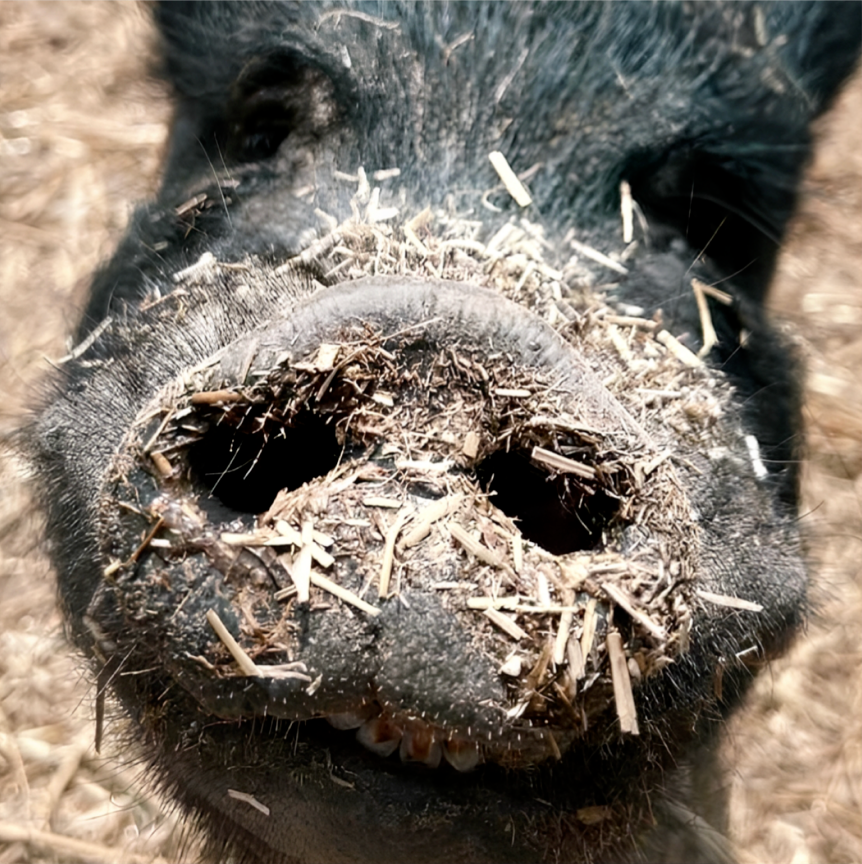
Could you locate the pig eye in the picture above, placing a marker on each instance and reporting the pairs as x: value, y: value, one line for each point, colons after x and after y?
x: 275, y: 98
x: 727, y: 211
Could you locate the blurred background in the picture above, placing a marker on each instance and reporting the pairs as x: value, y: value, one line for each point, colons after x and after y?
x: 82, y: 131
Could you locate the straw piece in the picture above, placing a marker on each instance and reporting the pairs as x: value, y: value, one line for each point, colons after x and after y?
x: 543, y: 590
x: 483, y: 603
x: 563, y: 630
x: 163, y: 465
x: 342, y: 593
x: 301, y: 569
x: 686, y: 357
x: 716, y: 293
x: 626, y: 603
x: 630, y: 321
x: 232, y: 539
x: 213, y: 397
x: 506, y: 624
x: 753, y: 447
x: 413, y: 237
x: 248, y: 799
x: 511, y: 666
x: 389, y: 553
x: 286, y: 530
x: 598, y: 257
x: 391, y: 503
x: 517, y: 553
x: 203, y: 265
x: 590, y: 620
x: 623, y: 696
x: 509, y: 179
x: 577, y: 666
x: 68, y: 848
x: 730, y: 602
x: 710, y: 339
x: 552, y: 745
x: 562, y: 463
x: 426, y: 466
x: 475, y: 547
x: 326, y: 356
x: 626, y: 211
x: 512, y: 392
x: 284, y: 671
x: 426, y: 517
x: 243, y: 660
x: 470, y: 447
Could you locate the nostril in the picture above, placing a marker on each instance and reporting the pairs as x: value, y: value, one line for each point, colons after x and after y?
x: 244, y: 464
x: 557, y: 513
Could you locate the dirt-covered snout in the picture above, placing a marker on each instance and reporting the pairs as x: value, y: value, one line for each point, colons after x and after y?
x: 423, y: 482
x: 412, y: 509
x: 424, y: 460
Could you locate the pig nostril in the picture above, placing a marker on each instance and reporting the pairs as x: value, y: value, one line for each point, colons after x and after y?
x: 245, y: 470
x: 551, y: 511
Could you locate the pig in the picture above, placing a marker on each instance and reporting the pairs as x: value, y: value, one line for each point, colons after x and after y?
x: 412, y: 509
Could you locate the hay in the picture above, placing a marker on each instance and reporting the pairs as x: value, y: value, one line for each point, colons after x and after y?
x: 80, y: 139
x: 795, y: 752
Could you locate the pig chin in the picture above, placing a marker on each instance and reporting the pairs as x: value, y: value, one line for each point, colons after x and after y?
x: 414, y: 510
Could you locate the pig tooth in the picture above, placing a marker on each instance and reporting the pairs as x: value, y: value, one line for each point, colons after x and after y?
x: 348, y: 719
x: 418, y: 745
x: 379, y: 735
x: 462, y: 755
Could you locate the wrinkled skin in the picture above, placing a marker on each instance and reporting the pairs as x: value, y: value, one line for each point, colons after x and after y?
x: 705, y: 111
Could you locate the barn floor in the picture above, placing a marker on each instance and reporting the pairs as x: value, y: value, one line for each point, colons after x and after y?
x: 81, y: 134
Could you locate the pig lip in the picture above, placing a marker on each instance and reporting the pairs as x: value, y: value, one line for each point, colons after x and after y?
x: 190, y: 563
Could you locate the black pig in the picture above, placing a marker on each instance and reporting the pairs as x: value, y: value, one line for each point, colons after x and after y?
x: 592, y: 543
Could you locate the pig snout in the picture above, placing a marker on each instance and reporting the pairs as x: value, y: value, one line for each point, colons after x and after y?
x: 374, y: 450
x: 412, y: 515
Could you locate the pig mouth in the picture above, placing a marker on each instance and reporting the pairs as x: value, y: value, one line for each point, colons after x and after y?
x: 413, y: 510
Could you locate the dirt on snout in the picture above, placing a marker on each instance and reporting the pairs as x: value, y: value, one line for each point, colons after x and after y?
x: 423, y: 437
x: 80, y: 139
